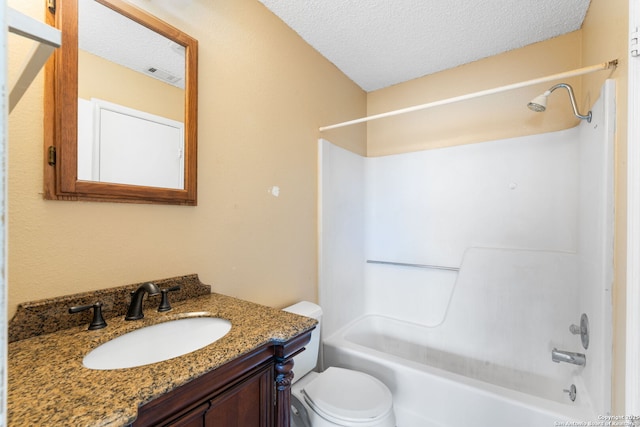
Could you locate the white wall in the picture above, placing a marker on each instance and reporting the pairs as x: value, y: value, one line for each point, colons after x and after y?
x: 342, y: 239
x: 595, y: 242
x: 528, y: 220
x: 430, y: 207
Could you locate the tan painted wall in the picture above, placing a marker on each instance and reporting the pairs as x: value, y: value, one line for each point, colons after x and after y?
x: 263, y: 94
x: 603, y: 37
x: 487, y: 118
x: 106, y: 80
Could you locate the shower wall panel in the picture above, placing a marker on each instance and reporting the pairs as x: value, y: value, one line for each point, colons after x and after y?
x: 528, y: 220
x: 595, y: 244
x: 430, y: 207
x: 341, y: 235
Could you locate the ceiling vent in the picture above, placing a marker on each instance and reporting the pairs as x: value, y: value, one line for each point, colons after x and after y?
x: 164, y: 76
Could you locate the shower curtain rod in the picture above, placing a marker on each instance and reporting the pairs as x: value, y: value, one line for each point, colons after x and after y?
x: 566, y: 74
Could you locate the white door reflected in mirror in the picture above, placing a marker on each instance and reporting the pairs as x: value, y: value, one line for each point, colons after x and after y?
x: 122, y: 145
x: 136, y: 96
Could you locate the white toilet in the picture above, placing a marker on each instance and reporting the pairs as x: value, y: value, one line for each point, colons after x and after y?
x: 337, y: 396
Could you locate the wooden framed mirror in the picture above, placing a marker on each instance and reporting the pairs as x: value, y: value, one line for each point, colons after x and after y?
x: 120, y: 107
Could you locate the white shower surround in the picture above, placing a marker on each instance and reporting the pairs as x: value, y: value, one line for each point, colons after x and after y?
x: 428, y: 391
x: 532, y: 213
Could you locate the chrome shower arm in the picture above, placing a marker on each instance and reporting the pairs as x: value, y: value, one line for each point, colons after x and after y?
x: 572, y: 98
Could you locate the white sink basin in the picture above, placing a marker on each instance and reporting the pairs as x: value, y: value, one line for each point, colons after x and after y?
x: 156, y: 343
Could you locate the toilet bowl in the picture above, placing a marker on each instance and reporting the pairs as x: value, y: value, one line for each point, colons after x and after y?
x: 342, y: 397
x: 337, y: 396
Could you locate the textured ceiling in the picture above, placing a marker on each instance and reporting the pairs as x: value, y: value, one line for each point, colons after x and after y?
x: 378, y: 43
x: 118, y: 39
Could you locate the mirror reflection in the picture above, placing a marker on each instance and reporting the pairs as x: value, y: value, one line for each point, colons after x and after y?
x: 121, y: 107
x: 131, y: 109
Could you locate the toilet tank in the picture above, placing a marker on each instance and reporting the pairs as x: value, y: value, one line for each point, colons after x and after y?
x: 306, y: 361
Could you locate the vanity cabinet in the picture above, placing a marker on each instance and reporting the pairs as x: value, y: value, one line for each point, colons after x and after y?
x: 248, y: 404
x: 252, y: 390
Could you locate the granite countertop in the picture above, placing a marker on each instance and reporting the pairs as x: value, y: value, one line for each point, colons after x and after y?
x: 48, y: 385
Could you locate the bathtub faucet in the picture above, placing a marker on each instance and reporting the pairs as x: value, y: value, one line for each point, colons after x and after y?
x: 568, y: 357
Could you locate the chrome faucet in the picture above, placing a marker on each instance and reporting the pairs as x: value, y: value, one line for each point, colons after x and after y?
x: 568, y: 357
x: 135, y: 308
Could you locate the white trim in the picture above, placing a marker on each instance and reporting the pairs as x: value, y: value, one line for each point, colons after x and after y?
x: 319, y: 284
x: 632, y: 368
x: 47, y: 40
x: 37, y: 58
x: 101, y: 104
x: 26, y: 26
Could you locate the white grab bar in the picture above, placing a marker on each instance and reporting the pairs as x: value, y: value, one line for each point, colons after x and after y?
x: 404, y: 264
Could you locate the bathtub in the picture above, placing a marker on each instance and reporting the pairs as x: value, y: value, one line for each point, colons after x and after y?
x: 434, y: 389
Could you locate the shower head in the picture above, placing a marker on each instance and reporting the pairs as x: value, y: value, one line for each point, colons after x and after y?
x: 539, y: 103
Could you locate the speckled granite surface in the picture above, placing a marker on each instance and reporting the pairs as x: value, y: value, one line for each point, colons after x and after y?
x: 48, y: 386
x: 51, y: 315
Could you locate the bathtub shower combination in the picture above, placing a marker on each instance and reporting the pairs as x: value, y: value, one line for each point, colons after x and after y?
x: 468, y: 278
x: 433, y: 388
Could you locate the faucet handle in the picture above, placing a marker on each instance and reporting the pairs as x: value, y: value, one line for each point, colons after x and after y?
x: 582, y: 330
x: 572, y: 392
x: 98, y: 321
x: 164, y: 302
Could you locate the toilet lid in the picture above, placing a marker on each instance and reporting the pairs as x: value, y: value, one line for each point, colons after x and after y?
x: 348, y: 395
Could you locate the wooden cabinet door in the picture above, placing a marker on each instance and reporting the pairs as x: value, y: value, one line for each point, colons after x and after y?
x: 193, y: 418
x: 248, y: 404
